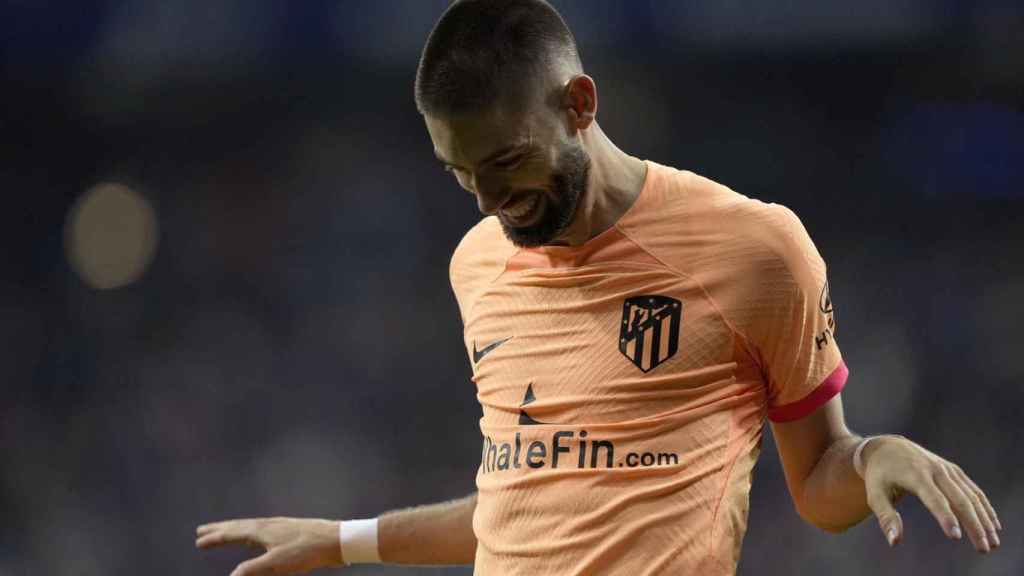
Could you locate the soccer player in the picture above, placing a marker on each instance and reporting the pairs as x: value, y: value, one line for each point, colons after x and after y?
x: 631, y: 327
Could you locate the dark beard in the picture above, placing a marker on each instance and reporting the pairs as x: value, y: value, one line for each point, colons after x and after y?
x: 568, y: 183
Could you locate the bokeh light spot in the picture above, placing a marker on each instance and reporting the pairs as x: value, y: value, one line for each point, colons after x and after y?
x: 110, y: 236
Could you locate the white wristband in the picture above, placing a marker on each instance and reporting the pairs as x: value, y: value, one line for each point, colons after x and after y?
x: 359, y: 541
x: 858, y: 461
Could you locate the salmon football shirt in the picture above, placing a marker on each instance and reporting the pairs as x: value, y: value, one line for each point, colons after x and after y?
x: 625, y: 382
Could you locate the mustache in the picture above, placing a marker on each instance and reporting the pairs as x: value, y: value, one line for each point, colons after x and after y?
x: 510, y: 194
x: 567, y: 183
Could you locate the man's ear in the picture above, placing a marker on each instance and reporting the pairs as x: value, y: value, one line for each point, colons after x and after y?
x: 580, y: 101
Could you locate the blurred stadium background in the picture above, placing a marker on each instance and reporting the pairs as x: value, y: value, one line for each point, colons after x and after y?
x: 223, y: 287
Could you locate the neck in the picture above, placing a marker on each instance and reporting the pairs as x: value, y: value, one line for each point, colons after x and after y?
x: 614, y: 183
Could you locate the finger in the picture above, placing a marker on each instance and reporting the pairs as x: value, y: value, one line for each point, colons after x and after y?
x: 230, y: 533
x: 880, y: 501
x: 959, y: 473
x: 227, y: 524
x: 963, y: 507
x: 214, y: 539
x: 936, y: 503
x: 222, y: 525
x: 208, y: 541
x: 258, y: 566
x: 203, y: 529
x: 987, y: 521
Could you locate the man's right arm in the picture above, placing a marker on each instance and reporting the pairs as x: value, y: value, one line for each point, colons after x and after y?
x: 436, y: 534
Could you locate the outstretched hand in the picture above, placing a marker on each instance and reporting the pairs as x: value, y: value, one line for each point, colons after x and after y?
x: 895, y: 465
x: 291, y: 545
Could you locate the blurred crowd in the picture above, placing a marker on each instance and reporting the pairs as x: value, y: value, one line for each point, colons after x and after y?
x: 286, y: 343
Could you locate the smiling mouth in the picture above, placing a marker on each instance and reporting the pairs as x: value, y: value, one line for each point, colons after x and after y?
x: 520, y: 211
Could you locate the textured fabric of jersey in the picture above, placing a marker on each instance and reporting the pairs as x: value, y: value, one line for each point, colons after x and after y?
x: 625, y: 383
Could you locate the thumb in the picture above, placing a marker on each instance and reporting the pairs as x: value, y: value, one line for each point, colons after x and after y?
x: 888, y: 518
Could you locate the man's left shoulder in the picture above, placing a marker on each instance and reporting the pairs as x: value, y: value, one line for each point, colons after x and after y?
x: 698, y: 224
x: 761, y: 238
x: 777, y: 244
x: 772, y: 226
x: 762, y: 224
x: 722, y: 214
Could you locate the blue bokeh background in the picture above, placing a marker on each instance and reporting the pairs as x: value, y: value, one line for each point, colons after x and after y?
x: 293, y: 347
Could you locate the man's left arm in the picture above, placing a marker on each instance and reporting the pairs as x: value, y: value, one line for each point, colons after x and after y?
x: 817, y: 453
x: 788, y: 321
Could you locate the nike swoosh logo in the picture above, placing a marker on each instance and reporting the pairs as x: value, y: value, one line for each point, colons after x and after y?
x: 479, y: 354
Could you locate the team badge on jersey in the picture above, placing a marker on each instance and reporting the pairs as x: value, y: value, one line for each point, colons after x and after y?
x: 649, y: 333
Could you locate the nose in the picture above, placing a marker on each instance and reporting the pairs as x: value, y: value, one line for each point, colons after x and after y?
x: 489, y: 195
x: 487, y: 204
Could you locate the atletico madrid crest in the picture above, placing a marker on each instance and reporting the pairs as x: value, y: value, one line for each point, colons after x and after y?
x: 649, y: 333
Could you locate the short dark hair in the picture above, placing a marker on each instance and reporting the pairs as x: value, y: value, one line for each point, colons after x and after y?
x: 480, y: 52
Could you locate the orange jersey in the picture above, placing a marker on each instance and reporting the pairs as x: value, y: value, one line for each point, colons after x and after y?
x: 625, y: 382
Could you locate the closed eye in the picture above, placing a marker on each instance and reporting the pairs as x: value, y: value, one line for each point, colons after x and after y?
x: 510, y: 162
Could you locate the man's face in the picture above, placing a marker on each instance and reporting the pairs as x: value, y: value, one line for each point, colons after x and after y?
x: 521, y: 166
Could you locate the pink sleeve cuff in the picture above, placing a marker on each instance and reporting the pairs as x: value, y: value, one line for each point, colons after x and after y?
x: 831, y: 386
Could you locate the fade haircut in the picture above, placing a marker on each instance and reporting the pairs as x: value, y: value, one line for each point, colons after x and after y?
x: 483, y: 52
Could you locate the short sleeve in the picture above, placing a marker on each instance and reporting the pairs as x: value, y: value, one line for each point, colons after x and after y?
x: 794, y: 332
